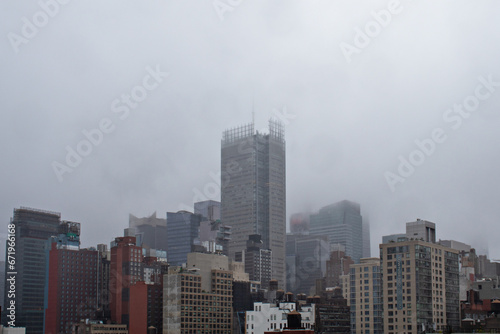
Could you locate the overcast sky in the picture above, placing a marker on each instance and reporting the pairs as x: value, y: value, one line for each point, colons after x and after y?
x: 355, y: 89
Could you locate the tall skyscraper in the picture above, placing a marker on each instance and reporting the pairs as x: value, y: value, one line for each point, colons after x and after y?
x: 253, y: 190
x: 32, y: 230
x: 343, y: 224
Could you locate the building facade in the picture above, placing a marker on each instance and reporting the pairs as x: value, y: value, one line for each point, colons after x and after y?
x: 333, y: 314
x: 215, y: 236
x: 421, y: 230
x: 150, y: 231
x: 337, y: 265
x: 71, y: 284
x: 365, y: 284
x: 271, y: 317
x: 253, y: 190
x: 182, y: 233
x: 125, y: 270
x: 190, y: 309
x: 210, y: 209
x: 257, y: 260
x: 343, y: 224
x: 306, y: 257
x: 32, y: 228
x: 421, y: 287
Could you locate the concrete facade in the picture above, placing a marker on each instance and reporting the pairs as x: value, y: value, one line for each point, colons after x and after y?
x: 365, y: 295
x: 421, y: 287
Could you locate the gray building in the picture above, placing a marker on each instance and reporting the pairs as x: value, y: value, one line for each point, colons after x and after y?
x: 32, y: 230
x: 393, y: 238
x: 306, y: 257
x: 257, y: 259
x: 151, y: 232
x: 182, y: 234
x: 343, y: 224
x: 253, y: 190
x: 209, y: 209
x: 488, y: 288
x: 421, y: 230
x: 215, y: 236
x: 366, y: 239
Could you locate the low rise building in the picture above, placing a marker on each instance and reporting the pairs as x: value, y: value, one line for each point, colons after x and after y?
x: 99, y: 328
x: 273, y: 317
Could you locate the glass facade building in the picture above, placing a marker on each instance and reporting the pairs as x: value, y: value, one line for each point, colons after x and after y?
x: 32, y: 230
x: 182, y: 233
x: 343, y: 224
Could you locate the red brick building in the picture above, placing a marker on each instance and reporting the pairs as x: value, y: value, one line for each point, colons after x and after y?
x: 72, y: 287
x: 125, y: 271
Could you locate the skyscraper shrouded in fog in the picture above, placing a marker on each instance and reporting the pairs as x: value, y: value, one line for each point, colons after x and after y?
x: 343, y: 224
x: 253, y: 190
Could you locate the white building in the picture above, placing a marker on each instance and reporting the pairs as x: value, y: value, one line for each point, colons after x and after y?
x: 12, y: 330
x: 268, y: 317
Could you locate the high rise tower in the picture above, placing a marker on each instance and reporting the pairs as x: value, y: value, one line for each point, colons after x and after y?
x: 253, y: 190
x: 343, y: 224
x: 32, y: 228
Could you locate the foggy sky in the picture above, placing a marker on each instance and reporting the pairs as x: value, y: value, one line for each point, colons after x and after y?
x: 347, y: 123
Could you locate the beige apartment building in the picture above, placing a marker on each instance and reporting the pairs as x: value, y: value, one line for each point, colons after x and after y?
x: 420, y: 287
x: 188, y: 308
x: 365, y: 297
